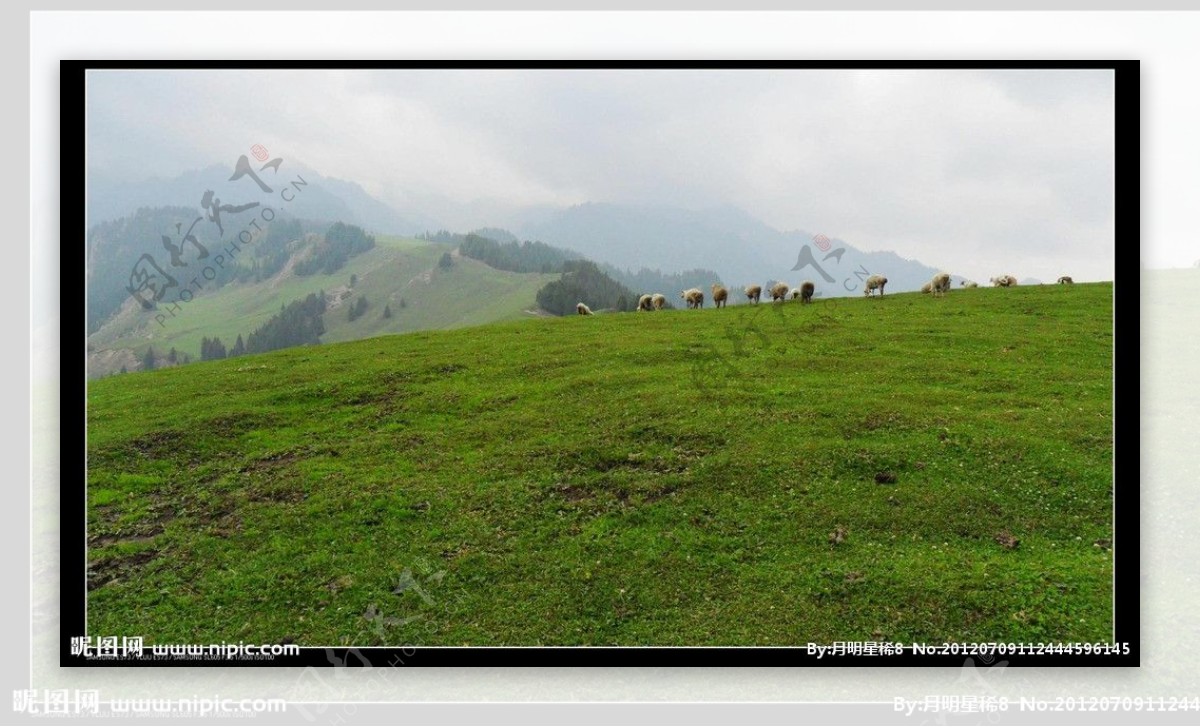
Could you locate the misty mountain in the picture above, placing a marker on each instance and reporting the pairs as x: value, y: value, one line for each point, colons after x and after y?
x: 740, y: 248
x: 322, y: 198
x: 152, y: 255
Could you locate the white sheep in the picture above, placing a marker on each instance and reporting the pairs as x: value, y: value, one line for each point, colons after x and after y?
x: 583, y: 310
x: 753, y: 292
x: 1004, y: 281
x: 645, y: 302
x: 720, y: 295
x: 969, y: 284
x: 875, y: 282
x: 940, y: 284
x: 1066, y: 280
x: 658, y: 300
x: 694, y: 297
x: 927, y: 287
x: 779, y: 291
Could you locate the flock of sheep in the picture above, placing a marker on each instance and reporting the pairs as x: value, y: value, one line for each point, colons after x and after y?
x: 694, y: 297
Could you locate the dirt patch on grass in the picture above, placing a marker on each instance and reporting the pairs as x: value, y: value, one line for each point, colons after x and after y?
x: 102, y: 572
x: 1007, y: 540
x: 659, y: 493
x: 278, y: 492
x: 883, y: 420
x: 274, y: 461
x: 140, y: 532
x: 161, y: 445
x: 233, y: 425
x: 572, y: 493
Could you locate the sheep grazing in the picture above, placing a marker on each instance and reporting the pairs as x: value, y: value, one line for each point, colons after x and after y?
x: 658, y: 300
x: 1004, y: 281
x: 875, y: 282
x: 806, y: 291
x: 694, y: 297
x: 941, y: 284
x: 927, y: 287
x: 779, y: 291
x: 583, y: 310
x: 753, y: 292
x: 1066, y: 280
x: 969, y: 284
x: 720, y: 295
x: 645, y: 302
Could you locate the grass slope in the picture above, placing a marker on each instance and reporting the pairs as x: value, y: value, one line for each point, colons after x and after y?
x: 470, y: 293
x: 583, y: 481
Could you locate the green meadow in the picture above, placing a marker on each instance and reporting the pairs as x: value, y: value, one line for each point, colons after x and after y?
x: 904, y: 468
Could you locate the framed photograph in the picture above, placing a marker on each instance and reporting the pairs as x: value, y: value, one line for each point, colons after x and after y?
x: 450, y: 363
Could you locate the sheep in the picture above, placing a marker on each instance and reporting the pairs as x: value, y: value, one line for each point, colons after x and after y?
x: 693, y: 297
x: 779, y: 291
x: 658, y: 300
x: 941, y: 284
x: 1066, y: 280
x: 720, y: 295
x: 806, y: 291
x: 1004, y: 281
x: 875, y: 282
x: 753, y: 292
x: 583, y: 310
x: 969, y: 284
x: 644, y: 302
x: 927, y: 287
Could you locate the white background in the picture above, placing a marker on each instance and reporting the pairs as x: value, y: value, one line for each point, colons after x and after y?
x: 1165, y: 42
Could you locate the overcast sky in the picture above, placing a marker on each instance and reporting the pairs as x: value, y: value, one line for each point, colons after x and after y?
x: 976, y: 173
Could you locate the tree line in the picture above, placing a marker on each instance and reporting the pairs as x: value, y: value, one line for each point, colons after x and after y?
x: 299, y: 323
x: 341, y: 243
x: 582, y: 281
x: 517, y: 257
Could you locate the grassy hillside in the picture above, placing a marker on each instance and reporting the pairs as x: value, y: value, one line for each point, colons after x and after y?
x: 896, y: 468
x: 470, y: 293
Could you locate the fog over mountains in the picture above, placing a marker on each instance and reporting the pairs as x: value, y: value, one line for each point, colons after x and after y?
x: 324, y: 198
x: 976, y: 172
x: 727, y: 240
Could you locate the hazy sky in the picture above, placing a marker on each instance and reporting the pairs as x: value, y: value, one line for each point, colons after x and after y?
x: 977, y: 173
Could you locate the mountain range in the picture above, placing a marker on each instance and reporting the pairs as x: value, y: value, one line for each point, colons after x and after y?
x: 640, y: 246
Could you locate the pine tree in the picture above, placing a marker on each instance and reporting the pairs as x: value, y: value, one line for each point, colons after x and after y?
x: 211, y: 349
x: 387, y: 311
x: 173, y: 356
x: 123, y: 369
x: 239, y: 347
x: 403, y: 304
x: 445, y: 262
x: 148, y: 360
x: 353, y: 280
